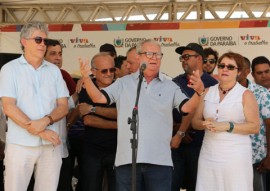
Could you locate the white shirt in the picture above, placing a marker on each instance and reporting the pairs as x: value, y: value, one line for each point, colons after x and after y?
x: 36, y: 92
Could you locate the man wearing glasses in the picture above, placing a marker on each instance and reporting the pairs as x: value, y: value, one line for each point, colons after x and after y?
x: 185, y: 157
x: 34, y: 97
x: 100, y: 136
x: 210, y: 61
x: 158, y: 97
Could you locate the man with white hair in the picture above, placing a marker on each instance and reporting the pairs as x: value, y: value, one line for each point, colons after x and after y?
x: 34, y: 97
x: 157, y: 99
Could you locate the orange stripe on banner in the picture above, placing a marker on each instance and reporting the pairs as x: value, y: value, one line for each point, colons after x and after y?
x: 209, y: 25
x: 60, y: 27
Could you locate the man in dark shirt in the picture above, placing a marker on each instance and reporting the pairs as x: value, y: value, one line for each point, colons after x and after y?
x: 185, y: 157
x: 100, y: 129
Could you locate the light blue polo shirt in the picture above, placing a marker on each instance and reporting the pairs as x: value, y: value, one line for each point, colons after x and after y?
x: 155, y: 122
x: 36, y: 92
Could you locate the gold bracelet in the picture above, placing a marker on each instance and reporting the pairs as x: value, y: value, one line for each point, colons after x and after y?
x: 201, y: 94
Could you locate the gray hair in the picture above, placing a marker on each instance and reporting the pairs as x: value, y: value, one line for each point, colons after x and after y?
x: 30, y: 27
x: 100, y: 54
x: 141, y: 43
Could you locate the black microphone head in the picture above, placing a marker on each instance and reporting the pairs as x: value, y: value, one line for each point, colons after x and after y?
x: 143, y: 66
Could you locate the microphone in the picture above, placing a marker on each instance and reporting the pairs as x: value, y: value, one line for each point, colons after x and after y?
x: 143, y: 67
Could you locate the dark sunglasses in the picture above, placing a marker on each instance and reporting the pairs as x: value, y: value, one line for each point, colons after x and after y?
x: 39, y: 39
x: 187, y: 56
x: 105, y: 71
x: 229, y: 67
x: 211, y: 61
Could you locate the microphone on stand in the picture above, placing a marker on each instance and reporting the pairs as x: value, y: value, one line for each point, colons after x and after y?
x: 143, y: 67
x: 133, y: 121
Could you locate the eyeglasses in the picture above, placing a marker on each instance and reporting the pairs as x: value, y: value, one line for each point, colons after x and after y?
x: 39, y: 39
x: 211, y: 61
x: 159, y: 55
x: 105, y: 71
x: 187, y: 56
x: 229, y: 67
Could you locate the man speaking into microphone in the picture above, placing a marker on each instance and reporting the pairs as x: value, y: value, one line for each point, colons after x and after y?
x: 158, y: 97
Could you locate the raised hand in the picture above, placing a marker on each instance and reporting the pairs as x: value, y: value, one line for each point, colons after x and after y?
x: 85, y: 68
x: 196, y: 82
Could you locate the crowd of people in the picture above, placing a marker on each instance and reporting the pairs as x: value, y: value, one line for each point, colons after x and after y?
x: 206, y: 129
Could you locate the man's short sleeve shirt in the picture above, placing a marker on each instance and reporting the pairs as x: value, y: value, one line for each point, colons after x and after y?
x: 156, y: 101
x: 35, y: 91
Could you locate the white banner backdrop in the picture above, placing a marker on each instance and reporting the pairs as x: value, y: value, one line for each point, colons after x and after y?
x: 249, y: 42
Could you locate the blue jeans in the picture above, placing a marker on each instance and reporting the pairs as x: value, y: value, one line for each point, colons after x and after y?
x: 93, y: 169
x: 185, y: 167
x: 149, y: 177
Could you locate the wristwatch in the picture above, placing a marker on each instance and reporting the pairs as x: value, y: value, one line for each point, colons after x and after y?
x: 93, y: 109
x: 181, y: 133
